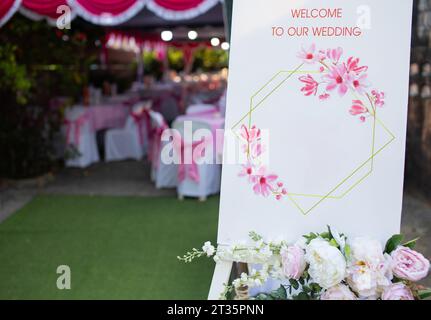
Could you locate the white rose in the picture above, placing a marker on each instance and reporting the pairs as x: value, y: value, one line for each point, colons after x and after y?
x: 327, y: 263
x: 365, y: 249
x: 369, y: 271
x: 339, y: 292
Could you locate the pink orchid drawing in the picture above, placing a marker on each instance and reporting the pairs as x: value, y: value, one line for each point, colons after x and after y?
x: 247, y: 171
x: 325, y: 96
x: 358, y: 109
x: 250, y: 135
x: 309, y: 55
x: 264, y: 184
x: 352, y: 66
x: 337, y: 78
x: 334, y: 54
x: 311, y: 85
x: 379, y: 98
x: 360, y: 83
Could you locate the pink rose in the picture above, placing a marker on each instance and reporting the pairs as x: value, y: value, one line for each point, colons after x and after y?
x: 293, y: 261
x: 339, y: 292
x: 409, y: 265
x: 397, y: 291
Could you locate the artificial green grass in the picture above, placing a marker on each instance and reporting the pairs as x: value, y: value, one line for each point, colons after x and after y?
x: 116, y: 247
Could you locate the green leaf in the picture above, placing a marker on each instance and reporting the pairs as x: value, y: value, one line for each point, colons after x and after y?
x: 255, y: 236
x: 306, y: 289
x: 315, y: 287
x: 333, y: 243
x: 302, y: 296
x: 411, y: 244
x: 347, y: 251
x: 280, y: 294
x: 393, y: 243
x: 326, y: 236
x: 294, y: 284
x: 424, y: 294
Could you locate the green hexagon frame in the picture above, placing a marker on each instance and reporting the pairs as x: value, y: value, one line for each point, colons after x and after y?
x: 355, y: 177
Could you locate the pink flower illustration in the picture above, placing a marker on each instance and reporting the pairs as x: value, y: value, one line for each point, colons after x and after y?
x: 379, y: 98
x: 263, y: 183
x: 257, y: 149
x: 360, y: 83
x: 324, y: 96
x: 311, y: 85
x: 247, y: 171
x: 309, y: 55
x: 353, y: 67
x: 334, y: 55
x: 338, y: 78
x: 250, y: 135
x: 358, y: 109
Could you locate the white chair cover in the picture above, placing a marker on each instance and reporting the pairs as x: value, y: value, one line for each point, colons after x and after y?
x: 209, y: 174
x: 130, y: 142
x: 78, y: 131
x: 222, y: 104
x: 163, y: 175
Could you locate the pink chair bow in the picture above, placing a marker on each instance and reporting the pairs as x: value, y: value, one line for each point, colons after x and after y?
x: 139, y: 119
x: 186, y: 170
x: 156, y: 144
x: 76, y: 125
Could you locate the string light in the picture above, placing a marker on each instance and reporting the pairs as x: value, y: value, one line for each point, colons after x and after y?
x: 167, y: 35
x: 225, y: 46
x: 193, y: 35
x: 215, y: 42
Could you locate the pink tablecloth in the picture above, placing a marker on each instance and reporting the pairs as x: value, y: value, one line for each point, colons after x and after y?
x: 108, y: 117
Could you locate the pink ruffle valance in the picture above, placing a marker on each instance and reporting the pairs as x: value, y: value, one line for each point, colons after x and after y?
x: 107, y: 12
x: 8, y: 9
x: 50, y: 10
x: 180, y: 9
x: 104, y: 12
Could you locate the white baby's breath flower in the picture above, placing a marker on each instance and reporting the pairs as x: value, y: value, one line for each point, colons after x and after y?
x: 209, y: 249
x: 236, y: 283
x: 244, y: 277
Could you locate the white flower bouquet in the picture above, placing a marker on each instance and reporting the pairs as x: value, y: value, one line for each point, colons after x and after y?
x: 326, y: 266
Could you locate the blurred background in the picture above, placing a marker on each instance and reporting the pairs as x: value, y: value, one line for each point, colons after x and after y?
x: 81, y: 114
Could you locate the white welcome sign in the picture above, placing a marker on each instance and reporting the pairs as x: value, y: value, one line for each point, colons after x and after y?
x: 329, y: 81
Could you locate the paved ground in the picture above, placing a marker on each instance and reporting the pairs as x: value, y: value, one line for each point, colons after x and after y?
x: 132, y: 179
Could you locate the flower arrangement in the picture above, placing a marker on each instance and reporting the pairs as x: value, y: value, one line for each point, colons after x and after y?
x: 326, y: 266
x: 341, y: 77
x: 264, y: 183
x: 334, y: 76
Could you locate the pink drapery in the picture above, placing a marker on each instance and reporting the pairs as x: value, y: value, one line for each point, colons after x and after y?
x: 43, y: 9
x: 180, y: 9
x: 8, y: 9
x: 107, y: 12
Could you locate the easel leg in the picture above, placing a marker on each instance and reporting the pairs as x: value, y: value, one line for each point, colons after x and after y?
x: 221, y: 276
